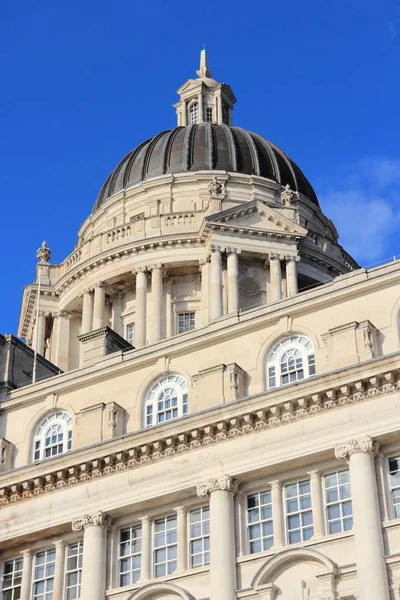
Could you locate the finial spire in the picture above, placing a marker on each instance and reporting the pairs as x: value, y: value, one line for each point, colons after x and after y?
x: 203, y: 71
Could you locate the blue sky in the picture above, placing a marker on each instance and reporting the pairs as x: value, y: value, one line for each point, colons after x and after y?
x: 85, y: 82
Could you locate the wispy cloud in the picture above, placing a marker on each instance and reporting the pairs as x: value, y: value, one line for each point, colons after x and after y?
x: 365, y: 207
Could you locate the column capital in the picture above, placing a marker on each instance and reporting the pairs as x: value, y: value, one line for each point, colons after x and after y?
x: 364, y: 445
x: 138, y: 270
x: 145, y: 519
x: 225, y: 483
x: 97, y: 519
x: 231, y: 250
x: 65, y: 313
x: 100, y: 284
x: 156, y: 266
x: 315, y: 473
x: 217, y: 248
x: 276, y: 484
x: 292, y: 258
x: 59, y: 543
x: 180, y: 509
x: 26, y: 552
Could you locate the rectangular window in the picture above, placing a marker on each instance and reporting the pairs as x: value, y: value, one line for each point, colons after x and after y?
x: 394, y: 476
x: 130, y: 555
x: 259, y: 521
x: 200, y: 537
x: 299, y: 517
x: 43, y: 575
x: 186, y: 321
x: 73, y: 571
x: 12, y: 577
x: 165, y: 546
x: 209, y: 114
x: 339, y: 513
x: 130, y: 334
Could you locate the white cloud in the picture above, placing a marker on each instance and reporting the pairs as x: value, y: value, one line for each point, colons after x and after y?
x: 365, y: 207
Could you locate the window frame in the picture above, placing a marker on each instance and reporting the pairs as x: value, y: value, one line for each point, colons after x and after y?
x: 273, y: 364
x: 194, y: 112
x: 166, y: 546
x: 192, y: 317
x: 46, y: 595
x: 131, y: 555
x: 59, y: 418
x: 259, y: 522
x: 78, y: 569
x: 340, y: 502
x: 297, y: 482
x: 16, y: 573
x: 202, y: 537
x: 392, y: 488
x: 130, y: 333
x: 153, y: 398
x: 209, y: 113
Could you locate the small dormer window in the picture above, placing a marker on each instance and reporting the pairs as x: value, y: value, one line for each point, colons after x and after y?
x: 209, y: 115
x: 194, y: 113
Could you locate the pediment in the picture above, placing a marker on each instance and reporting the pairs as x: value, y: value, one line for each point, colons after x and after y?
x: 256, y: 218
x: 189, y: 84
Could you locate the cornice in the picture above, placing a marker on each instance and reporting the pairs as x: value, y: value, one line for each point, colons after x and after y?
x: 183, y: 436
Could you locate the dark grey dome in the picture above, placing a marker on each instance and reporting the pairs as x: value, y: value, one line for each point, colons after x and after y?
x: 205, y: 147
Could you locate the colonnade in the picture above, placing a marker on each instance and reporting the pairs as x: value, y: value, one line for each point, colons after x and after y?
x: 368, y: 541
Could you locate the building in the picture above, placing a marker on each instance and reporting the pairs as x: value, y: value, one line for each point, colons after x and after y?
x: 225, y: 423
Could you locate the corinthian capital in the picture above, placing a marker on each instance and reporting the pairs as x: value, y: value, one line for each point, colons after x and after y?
x: 98, y: 519
x: 366, y: 444
x: 225, y: 483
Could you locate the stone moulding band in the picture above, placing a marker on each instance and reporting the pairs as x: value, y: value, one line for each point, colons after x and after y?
x: 282, y: 413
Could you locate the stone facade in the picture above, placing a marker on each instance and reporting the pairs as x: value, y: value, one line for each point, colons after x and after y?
x: 227, y: 422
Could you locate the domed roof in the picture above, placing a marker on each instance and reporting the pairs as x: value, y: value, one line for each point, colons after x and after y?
x: 205, y: 147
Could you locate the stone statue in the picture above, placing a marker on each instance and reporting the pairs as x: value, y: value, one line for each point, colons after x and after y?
x: 216, y: 188
x: 43, y: 253
x: 288, y: 196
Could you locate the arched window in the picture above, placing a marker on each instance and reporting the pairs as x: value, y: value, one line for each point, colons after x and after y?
x: 167, y: 399
x: 194, y: 113
x: 290, y: 360
x: 53, y: 436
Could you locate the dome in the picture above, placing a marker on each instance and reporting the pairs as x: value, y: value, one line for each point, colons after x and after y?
x: 201, y: 147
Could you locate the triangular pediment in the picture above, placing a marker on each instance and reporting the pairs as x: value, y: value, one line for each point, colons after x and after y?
x: 256, y: 217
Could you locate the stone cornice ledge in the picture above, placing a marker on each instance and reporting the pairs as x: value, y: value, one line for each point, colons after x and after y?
x: 224, y: 423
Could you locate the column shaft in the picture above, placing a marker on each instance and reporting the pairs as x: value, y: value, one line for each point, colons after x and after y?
x: 276, y: 278
x: 87, y: 312
x: 99, y: 305
x: 317, y: 504
x: 291, y: 277
x: 277, y: 514
x: 371, y: 567
x: 145, y: 572
x: 222, y: 536
x: 62, y: 348
x: 233, y: 282
x: 181, y: 563
x: 26, y: 575
x: 116, y: 310
x: 141, y: 316
x: 39, y: 341
x: 184, y: 113
x: 94, y: 554
x: 156, y: 297
x: 215, y: 309
x: 58, y: 591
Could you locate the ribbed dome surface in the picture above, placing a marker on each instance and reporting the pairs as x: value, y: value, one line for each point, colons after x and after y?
x: 205, y: 147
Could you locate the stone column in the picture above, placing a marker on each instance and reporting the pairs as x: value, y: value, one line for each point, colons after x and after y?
x: 317, y: 504
x: 205, y: 291
x: 94, y: 554
x: 39, y: 334
x: 99, y: 306
x: 215, y: 308
x: 156, y: 301
x: 219, y: 109
x: 201, y: 108
x: 87, y: 312
x: 26, y: 581
x: 62, y: 349
x: 184, y: 113
x: 58, y: 590
x: 222, y: 536
x: 116, y: 310
x: 112, y: 581
x: 277, y: 514
x: 141, y: 313
x: 276, y: 277
x: 371, y: 567
x: 233, y: 280
x: 384, y: 494
x: 240, y: 520
x: 181, y: 562
x: 291, y: 276
x: 145, y: 572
